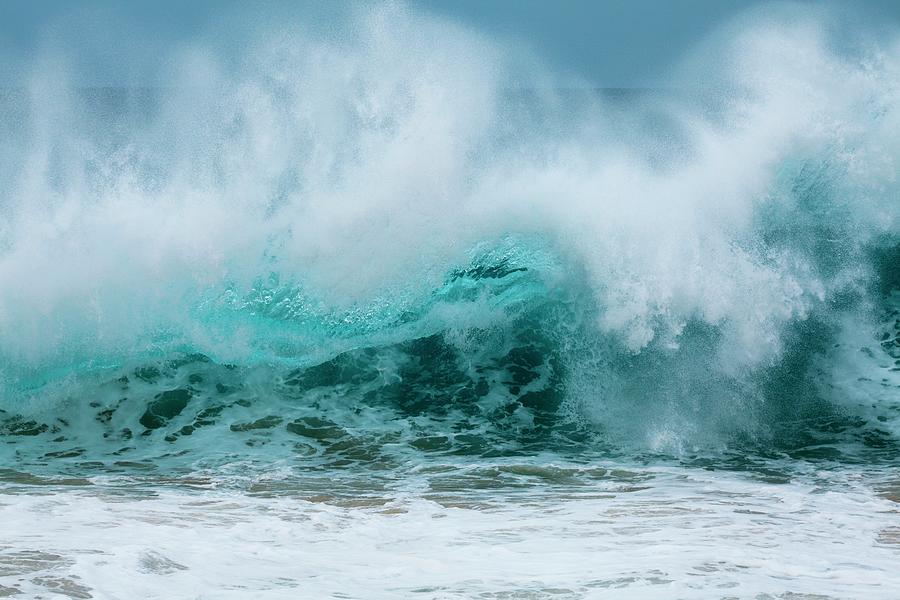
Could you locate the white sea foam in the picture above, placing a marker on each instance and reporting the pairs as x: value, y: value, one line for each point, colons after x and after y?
x: 633, y: 533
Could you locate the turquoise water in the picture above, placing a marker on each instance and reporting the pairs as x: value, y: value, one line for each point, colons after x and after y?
x: 401, y: 313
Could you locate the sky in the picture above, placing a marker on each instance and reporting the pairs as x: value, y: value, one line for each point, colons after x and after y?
x: 616, y: 43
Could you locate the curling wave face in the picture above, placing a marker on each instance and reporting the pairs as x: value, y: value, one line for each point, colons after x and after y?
x: 405, y: 238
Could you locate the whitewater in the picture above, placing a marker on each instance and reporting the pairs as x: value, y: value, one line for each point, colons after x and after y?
x: 400, y: 309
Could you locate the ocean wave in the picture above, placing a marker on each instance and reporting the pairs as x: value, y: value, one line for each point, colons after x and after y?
x: 407, y: 232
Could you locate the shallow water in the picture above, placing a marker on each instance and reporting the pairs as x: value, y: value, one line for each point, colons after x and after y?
x: 490, y: 529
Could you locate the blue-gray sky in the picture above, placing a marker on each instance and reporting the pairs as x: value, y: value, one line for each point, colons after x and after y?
x: 612, y: 42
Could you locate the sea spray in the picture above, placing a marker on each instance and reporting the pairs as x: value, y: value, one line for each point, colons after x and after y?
x: 675, y: 269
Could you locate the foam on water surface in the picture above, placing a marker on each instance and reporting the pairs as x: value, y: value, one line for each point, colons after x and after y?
x: 534, y: 531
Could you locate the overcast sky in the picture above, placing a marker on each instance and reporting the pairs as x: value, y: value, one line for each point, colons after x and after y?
x: 612, y: 42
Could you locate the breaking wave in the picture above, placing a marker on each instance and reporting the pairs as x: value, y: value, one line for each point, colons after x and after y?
x: 404, y: 236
